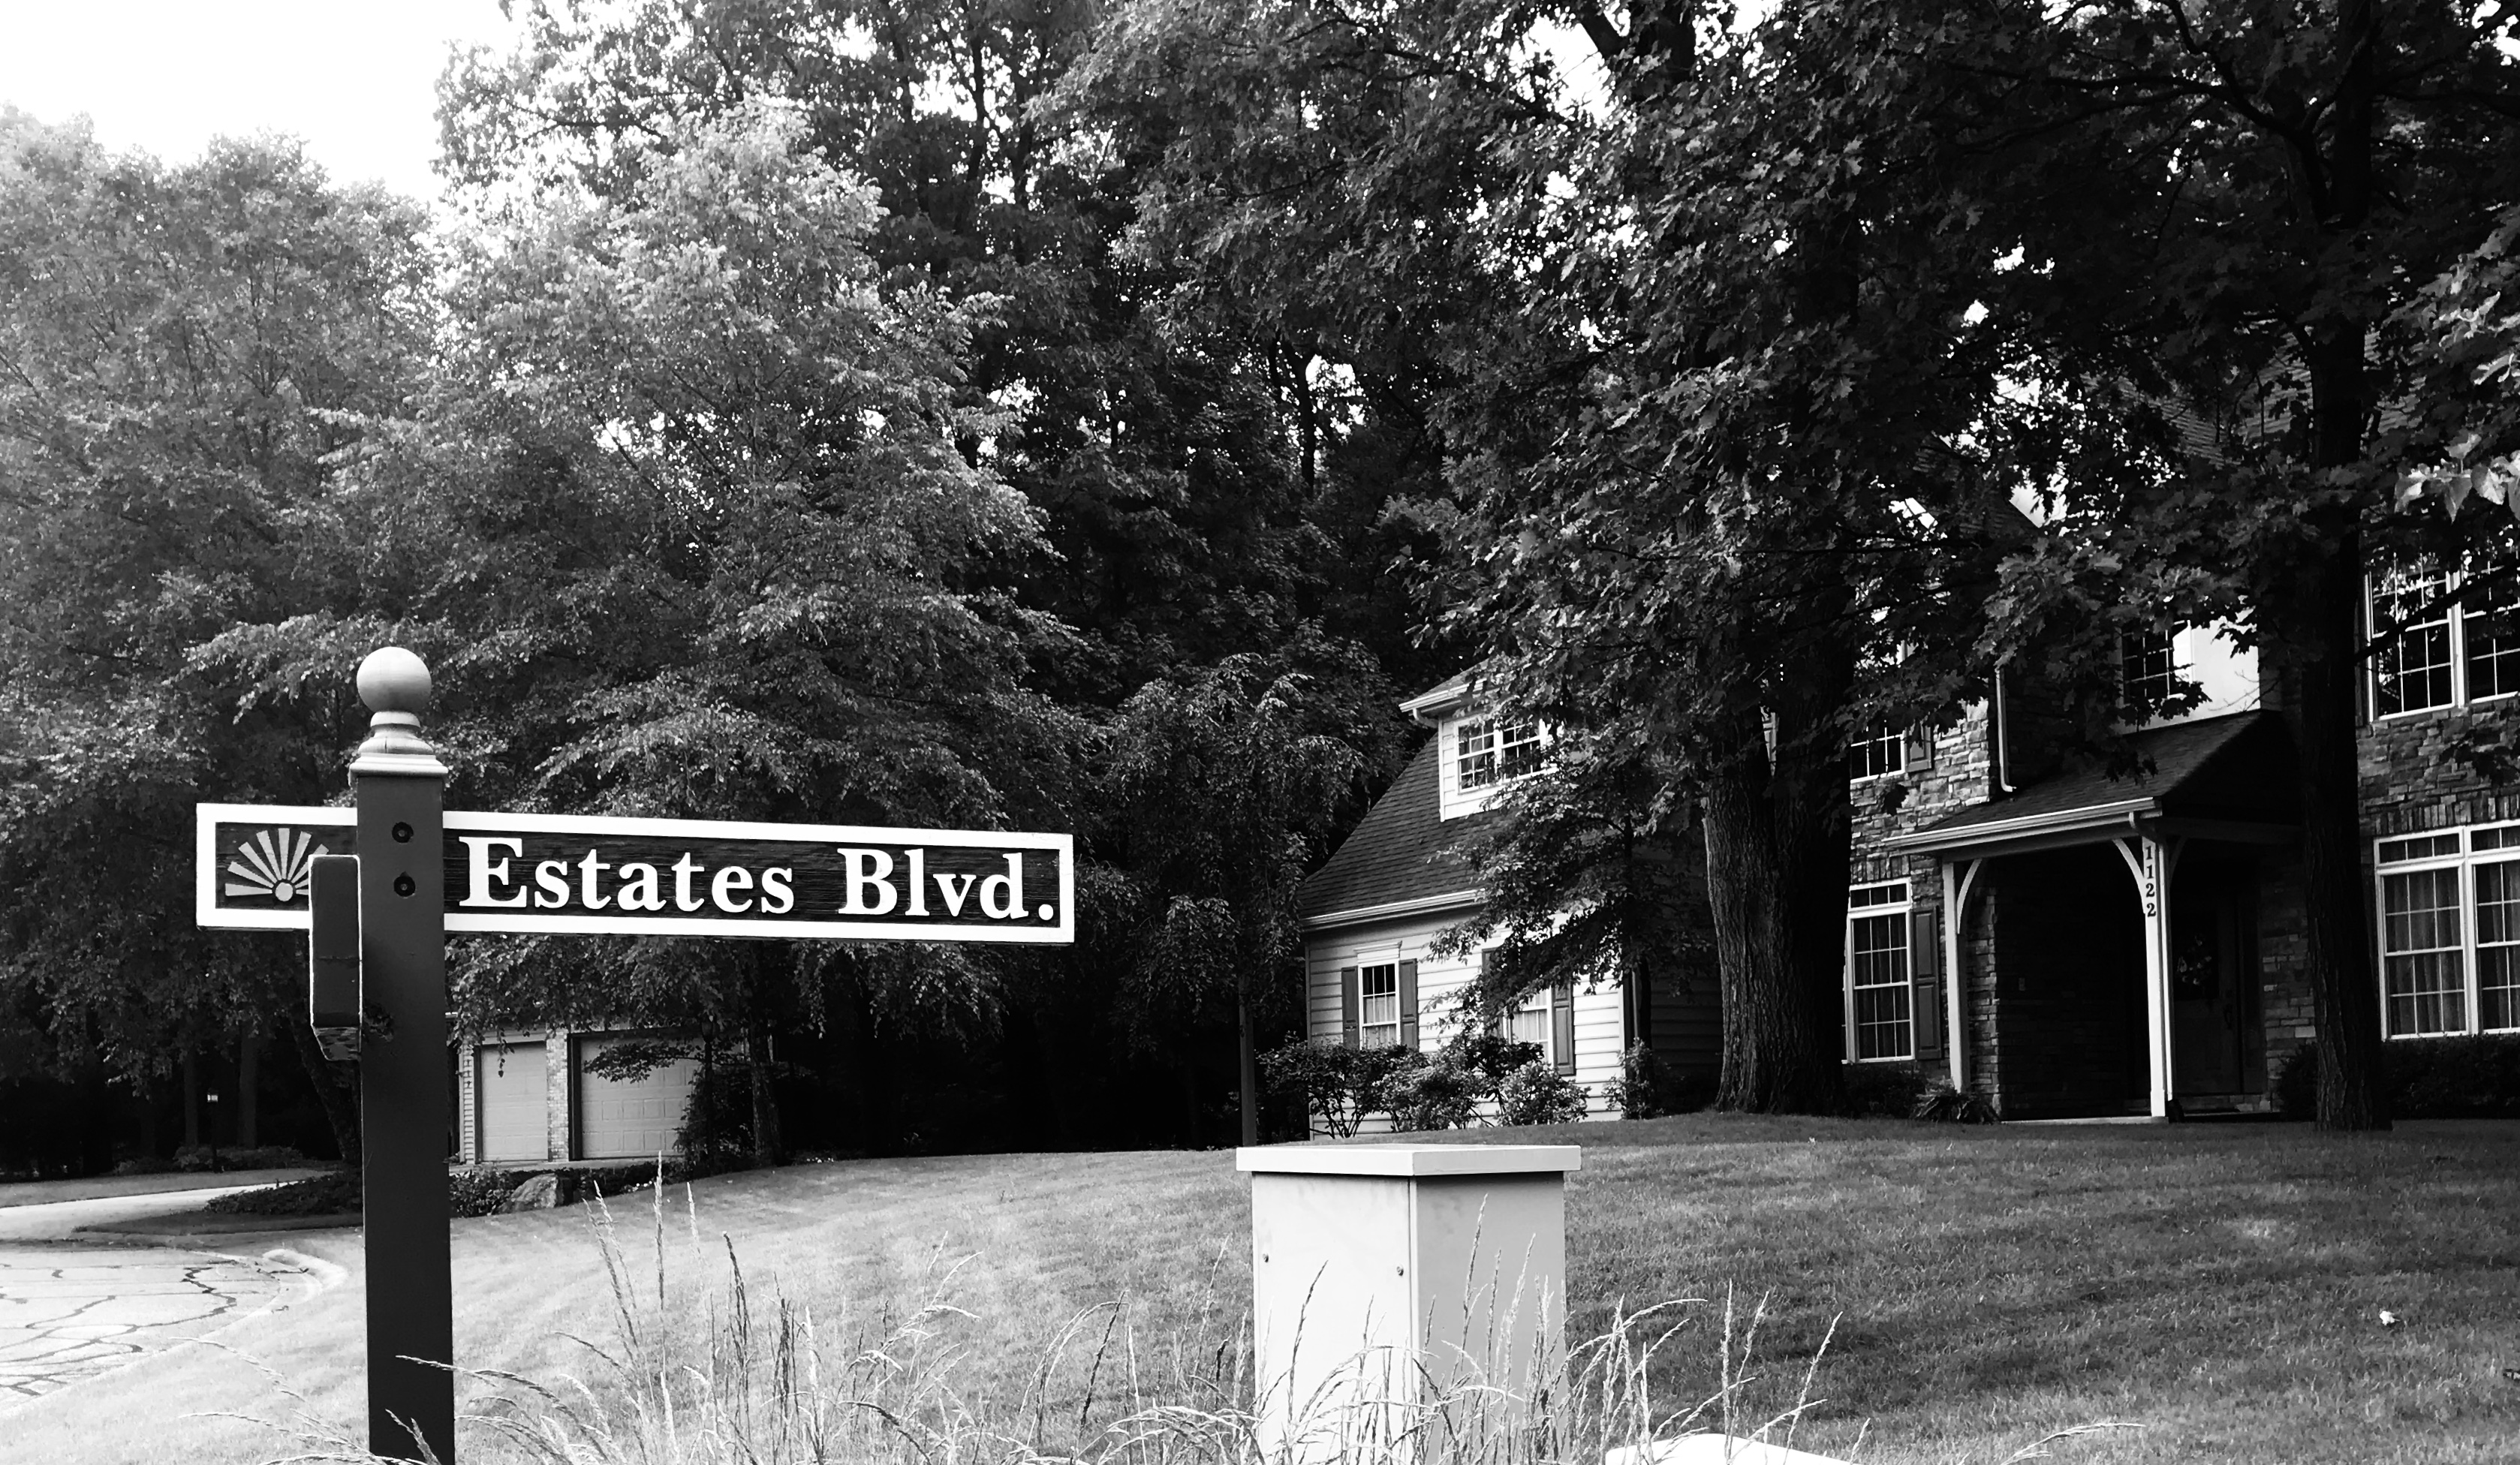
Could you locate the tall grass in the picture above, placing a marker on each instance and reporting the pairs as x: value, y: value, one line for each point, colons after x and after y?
x: 706, y: 1366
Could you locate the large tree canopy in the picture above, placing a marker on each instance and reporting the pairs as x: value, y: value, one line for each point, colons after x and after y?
x: 191, y: 358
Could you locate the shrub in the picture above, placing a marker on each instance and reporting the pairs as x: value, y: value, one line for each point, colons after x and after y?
x: 2425, y: 1078
x: 1648, y: 1087
x: 318, y: 1195
x: 1948, y: 1105
x: 1424, y: 1094
x: 1486, y: 1056
x: 1883, y: 1091
x: 1339, y: 1085
x: 1537, y: 1093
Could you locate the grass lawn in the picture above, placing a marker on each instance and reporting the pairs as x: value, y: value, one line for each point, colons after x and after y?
x: 2219, y: 1284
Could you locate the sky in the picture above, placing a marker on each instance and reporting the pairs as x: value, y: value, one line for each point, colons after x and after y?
x: 354, y: 79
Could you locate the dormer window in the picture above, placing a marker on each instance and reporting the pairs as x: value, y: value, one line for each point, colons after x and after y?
x: 1488, y: 752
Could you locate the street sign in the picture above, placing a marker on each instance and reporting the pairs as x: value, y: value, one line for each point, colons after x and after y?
x: 550, y: 874
x: 378, y: 885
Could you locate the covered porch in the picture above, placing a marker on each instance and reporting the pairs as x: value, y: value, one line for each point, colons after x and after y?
x: 2104, y: 935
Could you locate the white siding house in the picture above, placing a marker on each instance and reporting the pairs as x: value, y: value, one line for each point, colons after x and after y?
x: 1374, y: 912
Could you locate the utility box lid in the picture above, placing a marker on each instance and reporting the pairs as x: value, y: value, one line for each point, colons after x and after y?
x: 1409, y: 1161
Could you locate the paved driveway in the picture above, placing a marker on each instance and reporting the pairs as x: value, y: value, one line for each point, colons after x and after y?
x: 71, y: 1311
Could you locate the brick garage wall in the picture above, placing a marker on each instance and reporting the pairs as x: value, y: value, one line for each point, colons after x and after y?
x: 559, y: 1093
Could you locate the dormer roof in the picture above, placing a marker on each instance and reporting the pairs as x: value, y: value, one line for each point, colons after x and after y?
x: 1398, y: 861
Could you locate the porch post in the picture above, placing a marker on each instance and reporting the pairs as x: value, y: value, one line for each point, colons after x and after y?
x: 1956, y: 893
x: 2150, y: 860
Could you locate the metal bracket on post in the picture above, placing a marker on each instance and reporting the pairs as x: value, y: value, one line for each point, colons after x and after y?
x: 334, y: 1000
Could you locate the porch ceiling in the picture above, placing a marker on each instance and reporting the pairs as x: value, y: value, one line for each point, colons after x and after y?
x: 2224, y: 777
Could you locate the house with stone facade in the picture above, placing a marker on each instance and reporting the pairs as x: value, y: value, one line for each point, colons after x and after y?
x: 2071, y: 943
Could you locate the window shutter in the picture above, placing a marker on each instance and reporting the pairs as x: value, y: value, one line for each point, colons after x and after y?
x: 1349, y: 1003
x: 1924, y: 975
x: 1920, y: 747
x: 1562, y: 1025
x: 1408, y: 1005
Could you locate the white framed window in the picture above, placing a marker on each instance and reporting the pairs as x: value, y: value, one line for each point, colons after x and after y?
x: 1490, y: 751
x: 2437, y: 654
x: 1378, y: 992
x: 1474, y: 755
x: 1879, y: 987
x: 2449, y: 932
x: 1532, y: 1022
x: 1518, y: 747
x: 1877, y: 753
x: 2148, y: 665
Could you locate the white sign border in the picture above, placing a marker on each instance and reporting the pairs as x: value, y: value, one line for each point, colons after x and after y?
x: 208, y: 913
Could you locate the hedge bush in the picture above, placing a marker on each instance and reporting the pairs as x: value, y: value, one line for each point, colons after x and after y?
x: 317, y: 1195
x: 474, y: 1191
x: 1884, y: 1091
x: 2427, y: 1078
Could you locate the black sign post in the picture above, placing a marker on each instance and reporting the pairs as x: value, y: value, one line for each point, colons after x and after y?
x: 378, y: 886
x: 398, y: 785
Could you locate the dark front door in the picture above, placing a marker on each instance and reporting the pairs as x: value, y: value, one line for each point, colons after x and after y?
x: 2211, y: 972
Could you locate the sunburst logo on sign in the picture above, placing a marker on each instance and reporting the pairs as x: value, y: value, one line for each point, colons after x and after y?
x: 273, y: 865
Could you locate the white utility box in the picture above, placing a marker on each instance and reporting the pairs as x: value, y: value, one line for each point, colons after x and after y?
x: 1386, y: 1277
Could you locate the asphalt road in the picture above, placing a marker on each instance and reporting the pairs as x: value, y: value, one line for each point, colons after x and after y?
x: 74, y: 1304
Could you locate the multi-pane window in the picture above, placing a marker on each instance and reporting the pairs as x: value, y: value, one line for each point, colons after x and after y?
x: 1530, y: 1022
x: 1878, y: 989
x: 1377, y: 990
x: 1488, y: 752
x: 1475, y: 755
x: 2493, y: 651
x: 2498, y: 944
x: 2439, y: 654
x: 2148, y: 660
x: 1877, y: 751
x: 2449, y: 932
x: 1517, y: 749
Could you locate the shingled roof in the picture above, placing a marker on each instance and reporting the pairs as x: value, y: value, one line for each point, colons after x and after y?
x: 2236, y: 768
x: 1398, y: 853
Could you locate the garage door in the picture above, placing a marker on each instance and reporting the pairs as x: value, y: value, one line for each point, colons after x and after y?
x: 513, y: 1095
x: 629, y: 1119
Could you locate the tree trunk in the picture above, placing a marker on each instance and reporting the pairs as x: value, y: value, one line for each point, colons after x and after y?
x: 2323, y: 632
x: 192, y: 1100
x: 1247, y: 1068
x: 765, y: 1100
x: 340, y: 1100
x: 248, y: 1080
x: 1777, y: 857
x: 2343, y: 995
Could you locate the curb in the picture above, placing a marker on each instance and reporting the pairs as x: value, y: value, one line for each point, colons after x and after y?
x: 325, y: 1274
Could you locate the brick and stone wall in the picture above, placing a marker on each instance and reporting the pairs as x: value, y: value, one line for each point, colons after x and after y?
x: 2412, y: 782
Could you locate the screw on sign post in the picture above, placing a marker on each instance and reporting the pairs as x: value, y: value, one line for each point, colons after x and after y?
x: 376, y: 888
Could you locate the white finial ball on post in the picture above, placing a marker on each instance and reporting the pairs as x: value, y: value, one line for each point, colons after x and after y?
x: 395, y: 685
x: 394, y: 679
